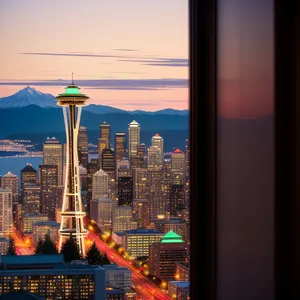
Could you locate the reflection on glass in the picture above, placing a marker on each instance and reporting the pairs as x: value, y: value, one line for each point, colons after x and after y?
x: 245, y: 149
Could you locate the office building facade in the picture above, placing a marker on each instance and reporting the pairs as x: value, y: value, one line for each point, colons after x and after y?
x: 10, y: 181
x: 53, y: 155
x: 6, y: 212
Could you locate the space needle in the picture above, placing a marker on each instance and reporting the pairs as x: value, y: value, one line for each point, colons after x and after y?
x: 72, y: 214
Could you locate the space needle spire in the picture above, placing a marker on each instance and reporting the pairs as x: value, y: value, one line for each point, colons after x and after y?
x: 72, y: 214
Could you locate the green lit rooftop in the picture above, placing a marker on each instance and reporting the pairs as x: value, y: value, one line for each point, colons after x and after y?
x: 171, y: 237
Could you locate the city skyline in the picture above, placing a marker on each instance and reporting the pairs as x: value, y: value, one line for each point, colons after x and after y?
x: 119, y: 57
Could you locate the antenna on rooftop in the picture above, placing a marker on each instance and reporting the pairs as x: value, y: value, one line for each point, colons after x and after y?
x: 72, y: 78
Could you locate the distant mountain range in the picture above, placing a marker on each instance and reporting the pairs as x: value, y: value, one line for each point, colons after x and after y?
x: 30, y: 96
x: 30, y: 114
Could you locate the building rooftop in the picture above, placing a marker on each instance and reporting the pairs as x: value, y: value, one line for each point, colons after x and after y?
x: 175, y: 221
x: 134, y: 122
x: 28, y: 168
x: 21, y: 295
x: 9, y: 175
x: 143, y: 231
x: 115, y: 267
x: 177, y: 151
x: 100, y: 173
x: 180, y: 284
x: 52, y: 140
x: 47, y: 223
x: 10, y: 260
x: 119, y: 233
x: 172, y: 237
x: 44, y: 262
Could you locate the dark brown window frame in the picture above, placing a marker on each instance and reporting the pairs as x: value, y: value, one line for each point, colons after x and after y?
x: 202, y: 54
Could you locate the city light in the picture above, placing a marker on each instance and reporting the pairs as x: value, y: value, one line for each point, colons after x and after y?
x: 131, y: 248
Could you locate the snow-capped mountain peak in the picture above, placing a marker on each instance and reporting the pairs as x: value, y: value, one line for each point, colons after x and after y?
x: 28, y: 96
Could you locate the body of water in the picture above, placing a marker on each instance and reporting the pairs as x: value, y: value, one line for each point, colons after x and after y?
x: 16, y: 164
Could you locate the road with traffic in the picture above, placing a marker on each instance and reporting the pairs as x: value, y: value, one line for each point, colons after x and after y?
x: 145, y: 289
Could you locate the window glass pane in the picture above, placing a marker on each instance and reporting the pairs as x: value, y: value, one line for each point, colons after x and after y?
x: 245, y: 180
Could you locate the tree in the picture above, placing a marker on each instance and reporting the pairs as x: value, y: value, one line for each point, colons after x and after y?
x: 70, y: 250
x: 46, y: 246
x: 105, y: 260
x: 11, y: 246
x: 39, y: 247
x: 94, y: 256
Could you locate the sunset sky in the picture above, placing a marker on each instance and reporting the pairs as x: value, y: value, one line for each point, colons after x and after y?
x: 130, y: 54
x: 133, y: 54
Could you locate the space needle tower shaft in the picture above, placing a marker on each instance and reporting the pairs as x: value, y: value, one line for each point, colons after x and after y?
x: 72, y: 214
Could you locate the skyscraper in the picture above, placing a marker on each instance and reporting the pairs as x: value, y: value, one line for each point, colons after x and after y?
x: 109, y: 167
x: 167, y: 166
x: 122, y: 218
x: 120, y: 145
x: 141, y: 210
x: 154, y: 158
x: 178, y: 159
x: 100, y: 185
x: 141, y: 183
x: 177, y: 200
x: 28, y: 175
x: 48, y: 179
x: 101, y: 212
x: 177, y: 176
x: 10, y: 181
x: 166, y: 190
x: 53, y: 155
x: 187, y: 174
x: 72, y: 214
x: 109, y: 162
x: 83, y: 146
x: 158, y: 141
x: 92, y: 168
x: 141, y: 152
x: 163, y: 255
x: 138, y: 160
x: 133, y: 137
x: 187, y: 161
x: 125, y: 191
x: 6, y: 213
x: 105, y: 133
x: 102, y: 144
x: 31, y: 202
x: 157, y: 206
x: 122, y: 168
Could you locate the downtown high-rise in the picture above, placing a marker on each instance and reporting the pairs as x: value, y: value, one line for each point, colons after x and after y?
x: 6, y: 212
x: 83, y: 146
x: 53, y: 155
x: 120, y: 145
x: 133, y: 138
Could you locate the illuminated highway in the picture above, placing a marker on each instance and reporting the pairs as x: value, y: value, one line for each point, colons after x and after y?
x: 146, y: 290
